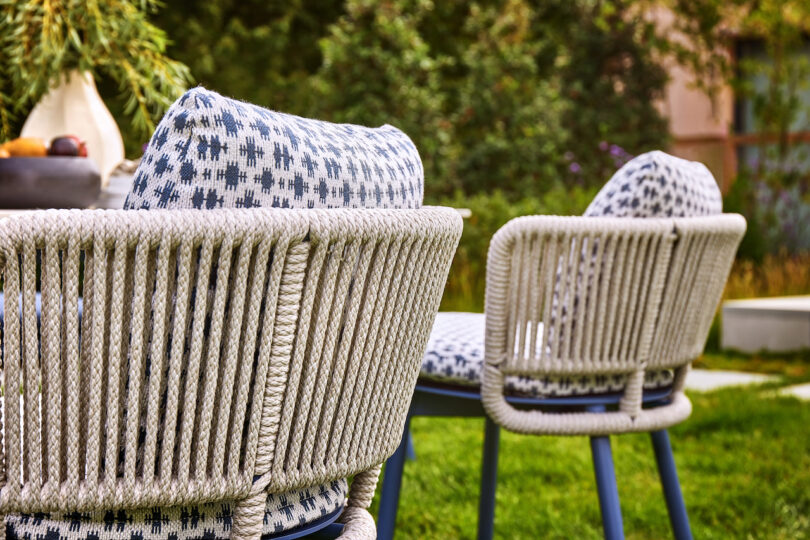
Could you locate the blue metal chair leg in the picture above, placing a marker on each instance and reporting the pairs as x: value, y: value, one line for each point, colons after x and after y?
x: 411, y: 451
x: 672, y: 488
x: 391, y: 484
x: 489, y: 480
x: 607, y: 488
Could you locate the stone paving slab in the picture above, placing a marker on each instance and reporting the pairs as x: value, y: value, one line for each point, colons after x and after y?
x: 705, y: 380
x: 800, y: 391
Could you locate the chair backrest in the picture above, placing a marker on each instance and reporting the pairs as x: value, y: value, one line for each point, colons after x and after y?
x: 211, y: 349
x: 603, y: 296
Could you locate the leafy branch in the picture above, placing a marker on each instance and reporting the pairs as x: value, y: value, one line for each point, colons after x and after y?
x: 41, y: 40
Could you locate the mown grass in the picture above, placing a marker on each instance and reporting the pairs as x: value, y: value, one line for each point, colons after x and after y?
x: 743, y: 459
x: 793, y: 367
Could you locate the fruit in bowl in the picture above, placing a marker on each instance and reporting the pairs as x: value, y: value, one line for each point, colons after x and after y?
x: 64, y: 179
x: 68, y: 145
x: 26, y: 147
x: 65, y: 145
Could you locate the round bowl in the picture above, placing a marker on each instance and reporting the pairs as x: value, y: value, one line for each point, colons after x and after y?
x: 48, y: 182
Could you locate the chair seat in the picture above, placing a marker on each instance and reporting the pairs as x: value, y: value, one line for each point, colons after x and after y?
x: 455, y: 355
x: 283, y: 512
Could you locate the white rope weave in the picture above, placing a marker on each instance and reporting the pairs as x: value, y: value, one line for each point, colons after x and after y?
x: 606, y: 296
x: 220, y: 354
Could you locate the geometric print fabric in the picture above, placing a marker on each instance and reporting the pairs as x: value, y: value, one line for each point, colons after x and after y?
x: 210, y: 151
x: 211, y: 520
x: 455, y: 355
x: 657, y: 184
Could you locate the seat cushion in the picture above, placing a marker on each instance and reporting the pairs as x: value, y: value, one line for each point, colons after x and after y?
x: 455, y: 355
x: 210, y: 151
x: 283, y: 512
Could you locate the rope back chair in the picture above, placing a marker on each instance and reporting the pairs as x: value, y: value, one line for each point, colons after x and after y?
x: 644, y: 300
x: 594, y: 298
x: 183, y: 357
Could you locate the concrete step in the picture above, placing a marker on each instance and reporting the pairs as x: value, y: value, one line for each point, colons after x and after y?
x: 800, y: 391
x: 780, y: 324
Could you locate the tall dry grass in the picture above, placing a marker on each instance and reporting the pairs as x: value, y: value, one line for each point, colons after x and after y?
x: 776, y: 275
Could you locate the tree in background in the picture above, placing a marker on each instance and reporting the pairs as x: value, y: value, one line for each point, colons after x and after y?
x: 113, y: 39
x: 506, y: 95
x: 773, y: 83
x: 260, y: 51
x: 610, y: 63
x: 775, y: 80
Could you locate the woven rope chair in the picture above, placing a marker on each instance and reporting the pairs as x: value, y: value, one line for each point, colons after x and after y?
x: 220, y: 355
x: 571, y: 296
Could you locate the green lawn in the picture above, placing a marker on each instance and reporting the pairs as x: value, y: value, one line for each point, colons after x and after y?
x: 743, y: 459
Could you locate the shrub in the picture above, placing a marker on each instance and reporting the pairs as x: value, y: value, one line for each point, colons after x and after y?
x: 493, y: 93
x: 778, y: 218
x: 776, y: 275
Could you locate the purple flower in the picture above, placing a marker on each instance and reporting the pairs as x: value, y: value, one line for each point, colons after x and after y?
x: 575, y: 167
x: 603, y: 146
x: 568, y: 156
x: 616, y: 150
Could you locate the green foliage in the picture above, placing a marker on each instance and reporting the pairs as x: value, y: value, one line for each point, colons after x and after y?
x: 773, y: 82
x: 260, y: 51
x: 498, y: 93
x: 506, y: 114
x: 741, y: 199
x: 41, y: 41
x: 493, y: 93
x: 778, y: 218
x: 611, y: 75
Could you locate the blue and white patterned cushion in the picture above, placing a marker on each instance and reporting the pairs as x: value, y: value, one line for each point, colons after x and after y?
x: 654, y: 184
x: 455, y: 355
x: 657, y: 184
x: 211, y: 151
x: 284, y: 512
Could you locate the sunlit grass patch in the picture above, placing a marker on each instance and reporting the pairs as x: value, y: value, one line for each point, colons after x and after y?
x: 743, y: 459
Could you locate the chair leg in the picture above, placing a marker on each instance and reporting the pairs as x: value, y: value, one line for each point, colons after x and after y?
x: 672, y: 488
x: 411, y: 451
x: 607, y: 488
x: 489, y: 480
x: 391, y: 485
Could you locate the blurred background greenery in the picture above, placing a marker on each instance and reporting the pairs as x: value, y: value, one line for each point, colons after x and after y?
x: 517, y: 106
x: 522, y: 107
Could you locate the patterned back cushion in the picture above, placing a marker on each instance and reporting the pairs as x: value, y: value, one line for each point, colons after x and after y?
x: 657, y: 184
x: 210, y: 151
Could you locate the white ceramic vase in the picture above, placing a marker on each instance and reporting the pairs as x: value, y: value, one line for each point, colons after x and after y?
x: 75, y: 108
